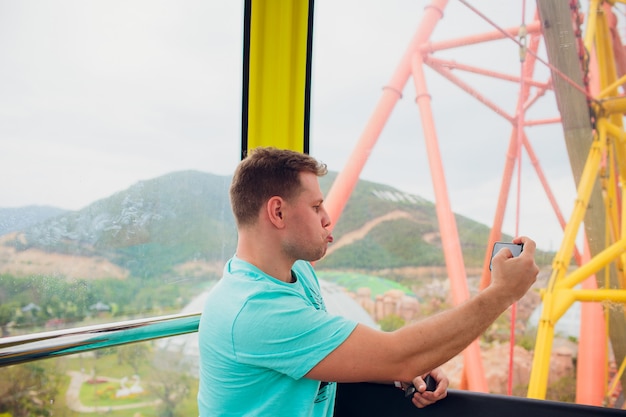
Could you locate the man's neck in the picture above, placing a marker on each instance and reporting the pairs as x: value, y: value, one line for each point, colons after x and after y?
x: 260, y: 246
x: 270, y: 264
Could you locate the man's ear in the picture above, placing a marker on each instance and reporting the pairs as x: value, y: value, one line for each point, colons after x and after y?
x: 275, y: 206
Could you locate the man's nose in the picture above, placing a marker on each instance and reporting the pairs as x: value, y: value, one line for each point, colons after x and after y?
x: 325, y: 219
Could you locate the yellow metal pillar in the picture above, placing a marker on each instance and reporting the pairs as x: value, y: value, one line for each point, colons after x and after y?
x: 606, y: 161
x: 556, y: 297
x: 277, y: 74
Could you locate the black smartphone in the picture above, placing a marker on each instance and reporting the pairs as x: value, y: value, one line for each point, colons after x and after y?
x: 515, y: 248
x: 431, y: 385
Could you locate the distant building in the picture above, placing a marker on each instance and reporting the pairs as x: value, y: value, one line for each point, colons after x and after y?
x: 100, y: 306
x: 30, y: 307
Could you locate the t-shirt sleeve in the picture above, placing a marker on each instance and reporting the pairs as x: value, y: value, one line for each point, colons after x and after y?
x: 290, y: 337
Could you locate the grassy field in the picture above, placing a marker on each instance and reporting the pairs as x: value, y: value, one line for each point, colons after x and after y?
x: 353, y: 281
x: 102, y: 395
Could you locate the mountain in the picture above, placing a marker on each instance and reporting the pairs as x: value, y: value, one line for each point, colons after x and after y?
x: 146, y: 229
x: 382, y: 227
x: 183, y: 220
x: 15, y: 219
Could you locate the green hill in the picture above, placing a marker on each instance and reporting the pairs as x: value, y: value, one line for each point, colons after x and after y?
x: 150, y: 227
x: 157, y: 224
x: 408, y: 238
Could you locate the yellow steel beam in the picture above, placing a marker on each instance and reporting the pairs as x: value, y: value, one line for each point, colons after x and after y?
x: 588, y: 177
x: 594, y: 5
x: 613, y: 105
x: 277, y: 74
x: 595, y: 265
x: 556, y: 299
x: 538, y: 384
x: 607, y: 161
x: 611, y: 88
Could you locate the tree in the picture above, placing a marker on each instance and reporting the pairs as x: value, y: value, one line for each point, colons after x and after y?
x: 134, y: 355
x: 170, y: 382
x: 7, y: 314
x: 29, y: 389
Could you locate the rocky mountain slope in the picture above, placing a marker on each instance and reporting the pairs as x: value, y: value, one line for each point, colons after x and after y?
x: 182, y: 221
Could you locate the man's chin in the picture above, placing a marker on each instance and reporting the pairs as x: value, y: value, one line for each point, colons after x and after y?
x: 317, y: 257
x: 321, y: 256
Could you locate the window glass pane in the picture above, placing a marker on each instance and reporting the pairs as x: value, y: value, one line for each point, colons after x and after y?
x: 120, y: 125
x: 365, y: 104
x: 359, y: 103
x: 146, y: 379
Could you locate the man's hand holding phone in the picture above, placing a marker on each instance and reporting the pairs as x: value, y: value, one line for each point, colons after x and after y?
x: 515, y: 249
x: 513, y: 269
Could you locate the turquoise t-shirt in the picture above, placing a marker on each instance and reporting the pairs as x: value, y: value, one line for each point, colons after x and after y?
x: 258, y: 337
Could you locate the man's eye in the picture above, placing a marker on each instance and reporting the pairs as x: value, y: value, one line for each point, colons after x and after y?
x: 317, y: 208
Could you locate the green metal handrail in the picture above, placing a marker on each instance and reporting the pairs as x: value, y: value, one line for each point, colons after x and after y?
x: 35, y: 346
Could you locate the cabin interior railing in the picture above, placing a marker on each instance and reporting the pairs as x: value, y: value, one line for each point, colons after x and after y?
x: 363, y: 400
x: 35, y: 346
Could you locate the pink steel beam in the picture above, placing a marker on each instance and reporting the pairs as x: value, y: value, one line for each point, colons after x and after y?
x: 548, y: 190
x: 495, y: 234
x: 445, y: 63
x: 542, y: 121
x: 496, y: 229
x: 533, y: 53
x: 445, y: 72
x: 346, y: 180
x: 592, y: 348
x: 593, y: 343
x: 430, y: 47
x: 591, y: 355
x: 447, y: 223
x: 512, y: 155
x: 538, y: 94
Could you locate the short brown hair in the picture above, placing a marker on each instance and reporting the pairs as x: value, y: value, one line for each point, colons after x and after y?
x: 267, y: 172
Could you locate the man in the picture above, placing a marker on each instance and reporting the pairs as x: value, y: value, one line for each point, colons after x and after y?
x: 267, y: 345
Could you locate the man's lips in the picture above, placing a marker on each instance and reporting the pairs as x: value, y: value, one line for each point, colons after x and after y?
x: 329, y: 239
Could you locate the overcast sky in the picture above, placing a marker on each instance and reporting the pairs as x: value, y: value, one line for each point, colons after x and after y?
x: 97, y: 95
